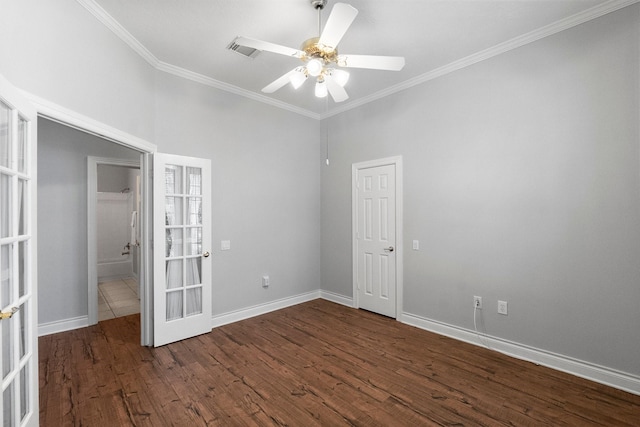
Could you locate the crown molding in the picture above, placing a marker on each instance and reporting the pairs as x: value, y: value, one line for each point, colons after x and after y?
x: 108, y: 21
x: 514, y: 43
x: 530, y: 37
x: 208, y: 81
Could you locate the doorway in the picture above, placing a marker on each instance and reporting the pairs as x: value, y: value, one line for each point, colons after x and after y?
x: 64, y: 201
x: 118, y: 201
x: 377, y: 236
x: 113, y: 201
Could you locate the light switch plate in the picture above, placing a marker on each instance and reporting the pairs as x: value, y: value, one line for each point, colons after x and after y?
x: 416, y: 245
x: 225, y: 245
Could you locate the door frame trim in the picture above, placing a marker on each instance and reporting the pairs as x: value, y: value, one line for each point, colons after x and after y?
x: 92, y: 228
x: 57, y: 113
x: 355, y: 168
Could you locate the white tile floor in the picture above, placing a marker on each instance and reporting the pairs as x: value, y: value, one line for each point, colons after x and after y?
x: 117, y: 298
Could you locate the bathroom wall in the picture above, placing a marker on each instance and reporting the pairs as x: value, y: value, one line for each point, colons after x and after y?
x: 116, y: 200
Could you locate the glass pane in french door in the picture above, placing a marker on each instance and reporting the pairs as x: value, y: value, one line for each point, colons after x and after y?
x: 24, y: 387
x: 183, y: 246
x: 22, y: 273
x: 6, y: 264
x: 7, y: 346
x: 194, y: 175
x: 5, y: 205
x: 8, y: 416
x: 22, y: 204
x: 5, y: 135
x: 22, y: 145
x: 174, y: 305
x: 193, y: 241
x: 173, y: 179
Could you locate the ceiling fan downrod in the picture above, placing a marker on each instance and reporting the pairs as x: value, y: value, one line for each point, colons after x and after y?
x: 319, y: 5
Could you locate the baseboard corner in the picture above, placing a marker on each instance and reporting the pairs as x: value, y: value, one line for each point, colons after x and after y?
x: 62, y: 325
x: 600, y: 374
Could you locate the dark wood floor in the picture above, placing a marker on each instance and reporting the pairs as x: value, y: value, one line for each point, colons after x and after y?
x: 317, y: 363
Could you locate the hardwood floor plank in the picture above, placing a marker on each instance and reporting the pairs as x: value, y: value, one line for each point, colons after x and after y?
x: 314, y: 364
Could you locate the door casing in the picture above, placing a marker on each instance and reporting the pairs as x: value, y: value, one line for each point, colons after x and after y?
x: 64, y: 116
x: 397, y: 161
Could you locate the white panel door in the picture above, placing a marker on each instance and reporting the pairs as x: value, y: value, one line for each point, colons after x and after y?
x: 18, y: 338
x: 182, y: 242
x: 376, y: 239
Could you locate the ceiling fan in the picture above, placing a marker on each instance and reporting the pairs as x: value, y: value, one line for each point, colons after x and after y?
x: 320, y: 55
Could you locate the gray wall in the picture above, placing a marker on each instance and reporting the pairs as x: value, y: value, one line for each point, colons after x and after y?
x: 62, y: 217
x: 266, y: 188
x: 522, y: 184
x: 60, y: 52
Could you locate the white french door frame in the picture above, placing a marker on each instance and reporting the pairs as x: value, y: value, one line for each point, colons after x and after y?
x: 399, y: 249
x: 92, y: 229
x: 54, y: 112
x: 182, y: 206
x: 28, y: 362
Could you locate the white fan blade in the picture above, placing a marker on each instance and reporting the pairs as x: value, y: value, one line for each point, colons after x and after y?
x: 342, y: 15
x: 269, y: 47
x: 279, y: 82
x: 390, y: 63
x: 337, y: 92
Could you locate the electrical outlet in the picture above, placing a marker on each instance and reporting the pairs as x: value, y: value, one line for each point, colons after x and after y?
x: 502, y: 307
x: 477, y: 302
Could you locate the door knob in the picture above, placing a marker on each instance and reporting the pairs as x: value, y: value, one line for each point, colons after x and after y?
x: 389, y: 249
x: 8, y: 314
x: 206, y: 254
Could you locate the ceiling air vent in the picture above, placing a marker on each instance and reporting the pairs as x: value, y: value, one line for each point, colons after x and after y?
x: 243, y: 50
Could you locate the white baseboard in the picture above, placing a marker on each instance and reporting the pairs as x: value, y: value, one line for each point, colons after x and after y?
x: 257, y: 310
x: 579, y: 368
x: 590, y: 371
x: 337, y: 298
x: 62, y: 325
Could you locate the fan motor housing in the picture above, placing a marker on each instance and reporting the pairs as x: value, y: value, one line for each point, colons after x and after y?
x: 312, y: 49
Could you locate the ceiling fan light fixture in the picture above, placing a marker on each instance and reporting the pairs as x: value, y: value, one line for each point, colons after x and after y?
x: 298, y: 78
x: 320, y: 53
x: 321, y: 89
x: 315, y: 67
x: 340, y: 76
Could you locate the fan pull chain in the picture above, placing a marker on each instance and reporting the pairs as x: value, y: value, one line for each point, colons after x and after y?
x: 327, y: 122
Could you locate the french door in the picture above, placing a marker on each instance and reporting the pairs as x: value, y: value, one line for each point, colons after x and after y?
x: 18, y: 338
x: 182, y: 242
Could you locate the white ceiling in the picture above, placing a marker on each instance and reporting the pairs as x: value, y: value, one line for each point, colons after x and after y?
x: 191, y: 36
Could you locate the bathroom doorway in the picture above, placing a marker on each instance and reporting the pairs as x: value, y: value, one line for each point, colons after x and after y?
x: 118, y: 240
x: 115, y: 203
